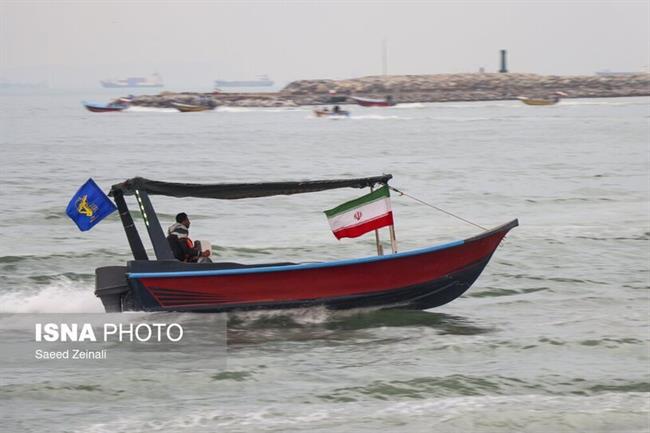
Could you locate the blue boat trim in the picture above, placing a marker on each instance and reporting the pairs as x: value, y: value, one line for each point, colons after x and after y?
x: 299, y: 267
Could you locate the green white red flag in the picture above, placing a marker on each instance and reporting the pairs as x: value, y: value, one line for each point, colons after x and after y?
x: 356, y: 217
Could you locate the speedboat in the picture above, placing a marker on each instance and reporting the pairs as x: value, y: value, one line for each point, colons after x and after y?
x: 420, y: 279
x: 98, y: 107
x: 372, y: 102
x: 551, y: 100
x: 187, y: 108
x: 331, y: 113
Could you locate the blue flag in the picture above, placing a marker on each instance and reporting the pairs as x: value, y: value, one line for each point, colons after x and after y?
x: 89, y: 206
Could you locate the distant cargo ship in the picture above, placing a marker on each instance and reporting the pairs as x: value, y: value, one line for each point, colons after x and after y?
x: 154, y: 81
x: 262, y: 81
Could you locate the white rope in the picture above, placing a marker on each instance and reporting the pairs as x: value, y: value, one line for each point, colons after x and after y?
x: 436, y: 208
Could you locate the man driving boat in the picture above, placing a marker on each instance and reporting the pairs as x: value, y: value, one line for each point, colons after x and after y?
x: 182, y: 246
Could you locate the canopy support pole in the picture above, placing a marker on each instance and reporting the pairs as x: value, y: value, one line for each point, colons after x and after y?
x: 380, y: 248
x: 158, y: 240
x: 132, y: 235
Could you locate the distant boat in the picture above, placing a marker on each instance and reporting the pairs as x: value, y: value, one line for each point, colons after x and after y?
x: 154, y: 81
x: 262, y: 81
x: 551, y: 100
x: 98, y: 107
x: 189, y: 108
x: 371, y: 102
x: 331, y: 113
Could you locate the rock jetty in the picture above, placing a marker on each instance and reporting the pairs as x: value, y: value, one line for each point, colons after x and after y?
x: 420, y: 88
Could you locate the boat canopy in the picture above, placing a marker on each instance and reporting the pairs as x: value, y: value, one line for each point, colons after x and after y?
x: 232, y: 191
x: 142, y: 188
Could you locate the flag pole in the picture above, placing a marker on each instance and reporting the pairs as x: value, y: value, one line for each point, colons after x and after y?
x: 393, y: 239
x: 380, y: 248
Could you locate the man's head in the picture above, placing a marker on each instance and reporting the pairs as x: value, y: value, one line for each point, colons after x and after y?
x: 183, y: 219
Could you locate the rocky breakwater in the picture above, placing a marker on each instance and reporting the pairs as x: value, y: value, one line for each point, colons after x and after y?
x: 468, y: 87
x: 215, y: 99
x: 420, y: 88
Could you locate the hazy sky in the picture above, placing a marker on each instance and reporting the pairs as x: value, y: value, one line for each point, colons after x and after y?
x: 77, y: 43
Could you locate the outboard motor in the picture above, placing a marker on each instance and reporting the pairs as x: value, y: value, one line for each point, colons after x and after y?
x: 111, y: 287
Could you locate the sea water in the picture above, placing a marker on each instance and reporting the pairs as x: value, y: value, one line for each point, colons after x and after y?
x: 552, y: 337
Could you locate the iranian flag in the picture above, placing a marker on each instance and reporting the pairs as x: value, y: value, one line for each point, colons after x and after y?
x: 356, y: 217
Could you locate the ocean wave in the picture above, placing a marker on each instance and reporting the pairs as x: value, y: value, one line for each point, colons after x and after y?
x: 606, y: 343
x: 463, y: 385
x: 62, y: 295
x: 69, y: 256
x: 642, y: 237
x: 612, y: 342
x: 490, y: 292
x: 141, y: 109
x: 524, y: 413
x: 377, y: 117
x: 238, y: 109
x: 227, y: 109
x: 281, y: 318
x: 319, y: 323
x: 418, y: 388
x: 553, y: 279
x: 480, y: 104
x: 237, y: 376
x: 464, y: 119
x: 407, y: 105
x: 583, y: 102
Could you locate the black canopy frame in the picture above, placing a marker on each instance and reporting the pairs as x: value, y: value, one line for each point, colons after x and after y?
x: 142, y: 188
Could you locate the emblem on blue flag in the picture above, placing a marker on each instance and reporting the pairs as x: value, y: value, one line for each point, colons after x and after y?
x: 89, y: 206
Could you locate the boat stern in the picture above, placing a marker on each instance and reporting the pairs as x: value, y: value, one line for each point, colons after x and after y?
x: 111, y: 287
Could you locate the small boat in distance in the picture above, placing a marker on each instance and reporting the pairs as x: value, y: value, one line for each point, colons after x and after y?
x: 416, y: 279
x: 190, y: 108
x: 262, y: 81
x: 372, y: 102
x: 551, y: 100
x: 119, y: 104
x: 335, y: 112
x: 155, y: 80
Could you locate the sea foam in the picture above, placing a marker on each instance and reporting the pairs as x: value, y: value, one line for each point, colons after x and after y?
x: 58, y: 297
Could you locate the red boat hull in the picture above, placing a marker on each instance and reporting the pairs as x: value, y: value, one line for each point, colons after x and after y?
x: 419, y: 279
x: 367, y: 102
